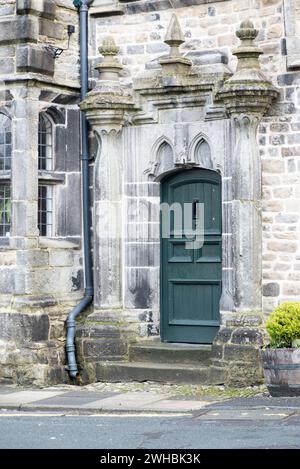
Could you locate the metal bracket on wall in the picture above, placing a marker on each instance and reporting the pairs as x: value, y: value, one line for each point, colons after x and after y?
x: 57, y: 51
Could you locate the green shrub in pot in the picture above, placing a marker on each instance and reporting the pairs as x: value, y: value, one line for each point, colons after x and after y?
x: 281, y: 360
x: 283, y: 326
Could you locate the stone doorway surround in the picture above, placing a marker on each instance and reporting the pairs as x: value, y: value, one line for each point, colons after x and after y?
x: 178, y: 116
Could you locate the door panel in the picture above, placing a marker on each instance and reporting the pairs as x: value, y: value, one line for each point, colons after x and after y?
x: 191, y: 278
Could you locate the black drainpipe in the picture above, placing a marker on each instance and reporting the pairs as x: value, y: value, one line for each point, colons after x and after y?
x: 83, y: 7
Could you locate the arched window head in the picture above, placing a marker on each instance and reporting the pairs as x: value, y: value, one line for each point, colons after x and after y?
x: 45, y: 143
x: 203, y: 155
x: 164, y: 157
x: 5, y: 143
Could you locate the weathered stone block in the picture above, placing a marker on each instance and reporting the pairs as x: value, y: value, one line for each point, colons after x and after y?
x: 207, y: 57
x: 224, y: 335
x: 282, y: 246
x: 7, y: 280
x: 33, y: 59
x: 60, y: 148
x: 73, y: 203
x: 6, y: 66
x: 156, y: 48
x: 72, y: 140
x: 95, y: 350
x: 23, y: 327
x: 34, y: 258
x: 244, y: 374
x: 50, y: 29
x: 135, y: 49
x: 6, y: 10
x: 44, y: 8
x: 7, y: 258
x: 247, y: 336
x: 240, y: 353
x: 288, y: 79
x: 142, y: 288
x: 271, y: 289
x: 23, y: 28
x: 60, y: 257
x: 142, y: 255
x: 291, y: 289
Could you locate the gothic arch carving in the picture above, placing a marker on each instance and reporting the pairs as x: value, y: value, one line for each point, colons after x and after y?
x: 200, y: 152
x: 4, y: 110
x: 162, y: 158
x: 57, y: 116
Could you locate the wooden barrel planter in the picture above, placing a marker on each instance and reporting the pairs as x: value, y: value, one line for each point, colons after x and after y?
x: 282, y: 371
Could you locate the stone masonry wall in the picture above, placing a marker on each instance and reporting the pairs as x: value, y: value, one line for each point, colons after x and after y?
x: 209, y: 29
x: 41, y: 279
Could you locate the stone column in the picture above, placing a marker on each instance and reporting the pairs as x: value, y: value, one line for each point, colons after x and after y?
x: 247, y: 95
x: 108, y: 219
x: 105, y: 108
x: 25, y: 122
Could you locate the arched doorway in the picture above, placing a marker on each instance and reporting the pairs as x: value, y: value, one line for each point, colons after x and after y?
x: 191, y: 257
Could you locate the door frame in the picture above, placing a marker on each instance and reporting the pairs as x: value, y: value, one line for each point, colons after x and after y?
x: 161, y: 180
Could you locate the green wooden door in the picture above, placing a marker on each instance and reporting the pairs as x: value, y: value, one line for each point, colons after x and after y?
x: 191, y: 275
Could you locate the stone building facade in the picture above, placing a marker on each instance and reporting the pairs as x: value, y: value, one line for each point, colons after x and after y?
x: 178, y: 88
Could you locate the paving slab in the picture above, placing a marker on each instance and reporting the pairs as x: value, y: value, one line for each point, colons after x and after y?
x: 128, y: 401
x: 73, y: 400
x: 25, y: 397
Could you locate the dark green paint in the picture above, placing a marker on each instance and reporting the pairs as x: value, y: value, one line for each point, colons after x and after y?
x: 191, y: 279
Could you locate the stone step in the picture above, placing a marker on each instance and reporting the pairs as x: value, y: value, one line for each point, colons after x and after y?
x: 158, y: 372
x: 162, y: 352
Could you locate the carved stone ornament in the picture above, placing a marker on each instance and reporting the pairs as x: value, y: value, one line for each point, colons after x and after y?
x: 248, y: 90
x: 108, y: 102
x: 175, y: 64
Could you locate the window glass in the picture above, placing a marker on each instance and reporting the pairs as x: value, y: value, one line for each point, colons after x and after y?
x: 5, y: 143
x: 45, y: 143
x: 45, y: 210
x: 5, y: 210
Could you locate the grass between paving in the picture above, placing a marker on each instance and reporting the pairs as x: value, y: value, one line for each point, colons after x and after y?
x: 185, y: 391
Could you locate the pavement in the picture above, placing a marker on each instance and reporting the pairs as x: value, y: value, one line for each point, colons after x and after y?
x: 103, y: 398
x: 134, y: 415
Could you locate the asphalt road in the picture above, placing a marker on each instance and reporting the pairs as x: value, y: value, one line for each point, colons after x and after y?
x: 36, y: 431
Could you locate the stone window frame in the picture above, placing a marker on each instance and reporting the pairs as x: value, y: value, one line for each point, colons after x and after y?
x: 49, y: 177
x: 5, y: 174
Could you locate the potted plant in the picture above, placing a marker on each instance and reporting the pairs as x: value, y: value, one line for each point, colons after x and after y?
x: 281, y: 358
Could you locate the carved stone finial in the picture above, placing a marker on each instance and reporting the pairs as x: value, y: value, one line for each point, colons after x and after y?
x: 174, y: 37
x: 175, y: 64
x: 109, y: 47
x: 247, y: 52
x: 248, y: 90
x: 247, y: 32
x: 110, y: 67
